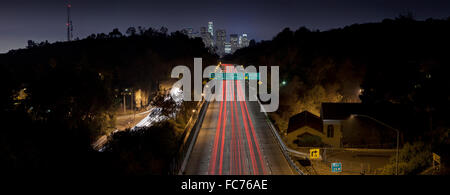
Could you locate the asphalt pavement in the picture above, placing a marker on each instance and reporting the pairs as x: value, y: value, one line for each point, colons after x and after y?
x: 235, y: 139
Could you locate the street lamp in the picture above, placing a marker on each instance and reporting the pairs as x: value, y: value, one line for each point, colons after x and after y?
x: 386, y: 125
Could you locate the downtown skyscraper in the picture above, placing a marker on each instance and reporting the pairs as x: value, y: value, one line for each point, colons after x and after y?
x: 217, y: 42
x: 221, y: 40
x: 211, y: 28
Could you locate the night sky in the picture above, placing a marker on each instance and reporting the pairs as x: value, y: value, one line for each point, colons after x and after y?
x: 40, y: 20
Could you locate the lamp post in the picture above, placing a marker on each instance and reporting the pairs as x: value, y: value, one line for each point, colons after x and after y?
x: 386, y: 125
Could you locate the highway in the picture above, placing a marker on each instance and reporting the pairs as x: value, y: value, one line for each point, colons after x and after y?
x: 235, y: 139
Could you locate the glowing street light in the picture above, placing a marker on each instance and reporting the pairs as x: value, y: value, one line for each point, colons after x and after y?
x: 283, y: 83
x: 388, y: 126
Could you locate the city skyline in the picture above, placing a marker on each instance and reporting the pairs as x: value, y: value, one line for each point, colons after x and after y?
x: 190, y: 90
x: 46, y: 20
x: 217, y: 39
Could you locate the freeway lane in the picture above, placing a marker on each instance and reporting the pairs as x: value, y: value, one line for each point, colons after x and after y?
x: 236, y: 139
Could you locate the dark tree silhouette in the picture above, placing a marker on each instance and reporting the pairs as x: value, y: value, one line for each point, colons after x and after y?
x: 58, y: 98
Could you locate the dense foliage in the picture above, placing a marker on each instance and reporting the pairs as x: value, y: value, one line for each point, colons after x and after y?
x: 396, y: 61
x: 56, y: 99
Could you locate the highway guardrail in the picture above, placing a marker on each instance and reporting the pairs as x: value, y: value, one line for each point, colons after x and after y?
x: 285, y: 150
x: 190, y: 134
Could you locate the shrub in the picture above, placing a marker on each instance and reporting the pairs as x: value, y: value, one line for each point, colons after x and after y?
x: 413, y: 159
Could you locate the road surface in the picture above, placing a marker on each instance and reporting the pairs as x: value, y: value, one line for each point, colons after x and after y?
x: 235, y: 139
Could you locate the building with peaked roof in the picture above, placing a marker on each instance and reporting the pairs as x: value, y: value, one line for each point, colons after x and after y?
x: 353, y: 125
x: 362, y: 124
x: 307, y: 130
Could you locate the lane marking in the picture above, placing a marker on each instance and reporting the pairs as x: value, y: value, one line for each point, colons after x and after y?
x: 239, y: 142
x: 249, y: 142
x: 254, y: 137
x: 232, y: 143
x: 216, y: 138
x: 224, y: 128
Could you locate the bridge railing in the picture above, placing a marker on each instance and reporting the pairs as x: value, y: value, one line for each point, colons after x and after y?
x: 287, y: 152
x: 189, y: 137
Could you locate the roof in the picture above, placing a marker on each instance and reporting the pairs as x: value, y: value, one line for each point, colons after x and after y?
x: 396, y: 115
x: 340, y: 111
x: 302, y: 119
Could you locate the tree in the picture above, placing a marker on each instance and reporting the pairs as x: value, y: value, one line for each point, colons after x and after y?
x: 147, y: 150
x: 115, y: 33
x: 31, y: 44
x: 163, y: 30
x: 141, y: 30
x: 43, y: 43
x: 413, y: 159
x: 92, y: 36
x: 166, y: 103
x: 252, y: 43
x: 72, y: 91
x: 409, y: 16
x: 131, y: 31
x: 101, y: 36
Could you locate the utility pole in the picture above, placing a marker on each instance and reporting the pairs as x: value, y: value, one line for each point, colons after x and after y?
x: 69, y: 23
x: 132, y: 102
x: 124, y: 106
x: 131, y: 99
x: 390, y: 127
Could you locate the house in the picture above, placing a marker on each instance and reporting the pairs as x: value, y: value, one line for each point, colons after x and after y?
x: 307, y: 130
x: 370, y: 125
x: 333, y: 117
x: 353, y: 125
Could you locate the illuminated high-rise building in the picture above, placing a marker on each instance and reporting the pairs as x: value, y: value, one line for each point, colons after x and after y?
x: 244, y: 42
x: 221, y: 38
x: 211, y: 28
x: 217, y: 42
x: 240, y: 41
x: 206, y: 37
x: 234, y: 41
x: 227, y: 48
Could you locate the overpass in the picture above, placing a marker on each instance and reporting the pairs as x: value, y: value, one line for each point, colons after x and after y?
x: 236, y: 138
